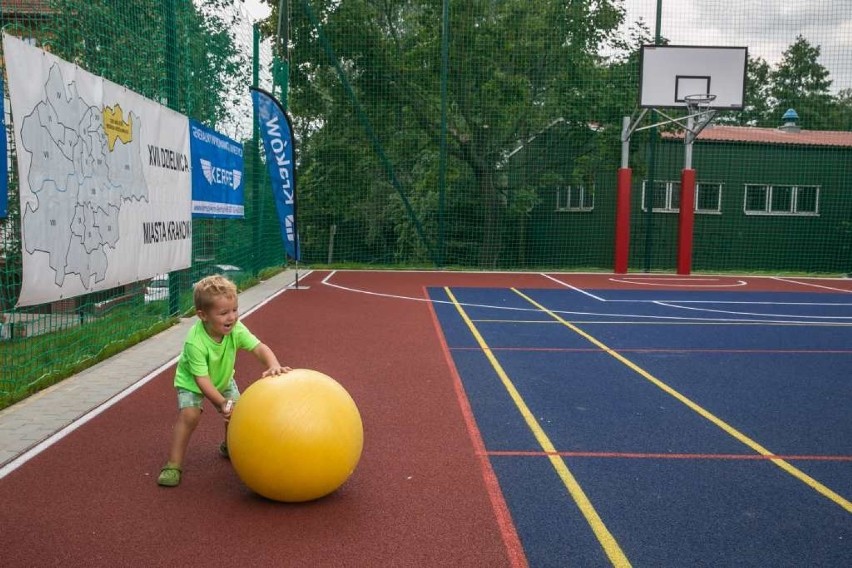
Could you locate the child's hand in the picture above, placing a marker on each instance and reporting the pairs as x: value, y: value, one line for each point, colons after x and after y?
x: 279, y: 370
x: 226, y: 409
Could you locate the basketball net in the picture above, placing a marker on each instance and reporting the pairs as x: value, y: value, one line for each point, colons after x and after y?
x: 699, y: 114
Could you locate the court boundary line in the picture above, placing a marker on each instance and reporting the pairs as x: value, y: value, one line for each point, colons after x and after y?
x: 721, y: 351
x: 714, y: 321
x: 808, y: 284
x: 669, y: 304
x: 607, y: 541
x: 659, y: 282
x: 672, y: 456
x: 508, y: 529
x: 738, y: 283
x: 701, y: 411
x: 681, y: 301
x: 571, y: 287
x: 87, y: 417
x: 327, y: 282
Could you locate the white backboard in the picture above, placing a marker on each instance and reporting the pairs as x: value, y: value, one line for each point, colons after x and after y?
x: 668, y: 73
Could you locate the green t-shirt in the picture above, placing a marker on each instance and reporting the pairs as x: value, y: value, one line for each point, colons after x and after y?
x: 203, y: 357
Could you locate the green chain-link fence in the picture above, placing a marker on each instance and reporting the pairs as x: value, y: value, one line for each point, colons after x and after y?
x: 198, y: 58
x: 475, y: 133
x: 486, y: 134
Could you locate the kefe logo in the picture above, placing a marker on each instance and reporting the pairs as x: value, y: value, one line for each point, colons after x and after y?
x: 220, y: 176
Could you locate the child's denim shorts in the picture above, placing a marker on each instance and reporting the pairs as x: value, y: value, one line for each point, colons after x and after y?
x: 189, y: 399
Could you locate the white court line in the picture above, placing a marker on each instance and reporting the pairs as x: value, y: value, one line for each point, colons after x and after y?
x: 673, y: 305
x: 327, y: 282
x: 662, y: 302
x: 580, y: 290
x: 641, y: 277
x: 666, y: 282
x: 680, y: 301
x: 791, y: 281
x: 62, y: 433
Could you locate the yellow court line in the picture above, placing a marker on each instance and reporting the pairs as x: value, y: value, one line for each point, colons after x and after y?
x: 607, y: 541
x: 702, y: 323
x: 784, y: 465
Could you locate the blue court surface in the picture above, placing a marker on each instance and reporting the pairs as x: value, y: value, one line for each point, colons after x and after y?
x: 663, y: 428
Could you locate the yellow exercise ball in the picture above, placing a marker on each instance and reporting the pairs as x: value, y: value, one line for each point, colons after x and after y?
x: 295, y: 437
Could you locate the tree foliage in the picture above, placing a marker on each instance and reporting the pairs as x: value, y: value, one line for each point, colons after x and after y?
x: 174, y: 52
x: 532, y: 103
x: 801, y: 82
x: 518, y: 70
x: 758, y: 108
x: 798, y: 81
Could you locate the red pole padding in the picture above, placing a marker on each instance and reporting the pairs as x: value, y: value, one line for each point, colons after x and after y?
x: 622, y: 220
x: 685, y: 222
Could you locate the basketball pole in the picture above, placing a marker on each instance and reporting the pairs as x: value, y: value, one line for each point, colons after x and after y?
x: 622, y: 205
x: 629, y: 125
x: 680, y: 77
x: 686, y: 216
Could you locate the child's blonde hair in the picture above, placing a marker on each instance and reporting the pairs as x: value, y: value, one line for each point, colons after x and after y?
x: 209, y: 288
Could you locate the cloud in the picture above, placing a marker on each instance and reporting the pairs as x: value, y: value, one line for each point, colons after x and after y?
x: 766, y: 27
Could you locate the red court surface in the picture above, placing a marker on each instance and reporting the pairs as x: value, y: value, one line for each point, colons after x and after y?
x: 422, y: 495
x: 418, y: 497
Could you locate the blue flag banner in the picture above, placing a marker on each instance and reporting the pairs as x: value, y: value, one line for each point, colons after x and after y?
x: 277, y: 134
x: 217, y: 173
x: 4, y: 171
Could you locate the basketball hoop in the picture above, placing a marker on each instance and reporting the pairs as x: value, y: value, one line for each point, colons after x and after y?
x: 699, y: 114
x: 698, y: 107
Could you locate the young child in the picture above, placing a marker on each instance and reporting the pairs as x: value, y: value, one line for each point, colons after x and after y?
x: 205, y: 368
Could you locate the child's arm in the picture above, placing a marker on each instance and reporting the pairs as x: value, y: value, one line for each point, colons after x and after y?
x: 265, y: 355
x: 213, y: 395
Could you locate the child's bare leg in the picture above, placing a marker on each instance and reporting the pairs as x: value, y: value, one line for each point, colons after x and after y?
x: 184, y: 427
x: 223, y: 448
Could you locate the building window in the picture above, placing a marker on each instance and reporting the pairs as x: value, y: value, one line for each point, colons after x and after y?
x: 575, y: 198
x: 708, y: 197
x: 761, y: 199
x: 666, y: 197
x: 807, y: 200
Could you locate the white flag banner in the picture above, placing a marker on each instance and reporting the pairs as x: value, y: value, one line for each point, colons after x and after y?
x: 105, y: 184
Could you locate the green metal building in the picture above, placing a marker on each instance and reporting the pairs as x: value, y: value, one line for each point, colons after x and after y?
x: 767, y: 199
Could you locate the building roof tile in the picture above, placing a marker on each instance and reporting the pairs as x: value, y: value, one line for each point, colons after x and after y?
x: 25, y: 7
x: 753, y: 134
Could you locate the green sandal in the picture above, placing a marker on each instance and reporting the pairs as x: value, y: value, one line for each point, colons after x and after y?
x: 169, y: 476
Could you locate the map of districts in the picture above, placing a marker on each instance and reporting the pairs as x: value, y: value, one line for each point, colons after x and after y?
x: 85, y: 163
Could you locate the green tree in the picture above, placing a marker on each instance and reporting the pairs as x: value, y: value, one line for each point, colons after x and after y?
x: 758, y: 108
x: 802, y: 83
x: 156, y: 48
x: 840, y: 115
x: 516, y: 67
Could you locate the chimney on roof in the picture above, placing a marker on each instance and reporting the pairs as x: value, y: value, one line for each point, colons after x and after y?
x: 790, y: 117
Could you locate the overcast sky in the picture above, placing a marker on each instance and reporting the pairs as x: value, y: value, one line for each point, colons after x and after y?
x: 766, y: 27
x: 256, y: 8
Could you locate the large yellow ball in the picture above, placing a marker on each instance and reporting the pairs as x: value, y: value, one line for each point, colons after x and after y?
x: 295, y: 437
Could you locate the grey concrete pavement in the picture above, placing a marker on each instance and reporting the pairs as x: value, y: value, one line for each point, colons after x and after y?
x: 33, y: 421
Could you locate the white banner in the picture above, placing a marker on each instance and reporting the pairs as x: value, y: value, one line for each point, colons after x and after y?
x: 105, y: 180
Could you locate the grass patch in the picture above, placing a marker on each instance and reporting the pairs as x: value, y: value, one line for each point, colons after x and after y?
x: 31, y: 364
x: 35, y: 363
